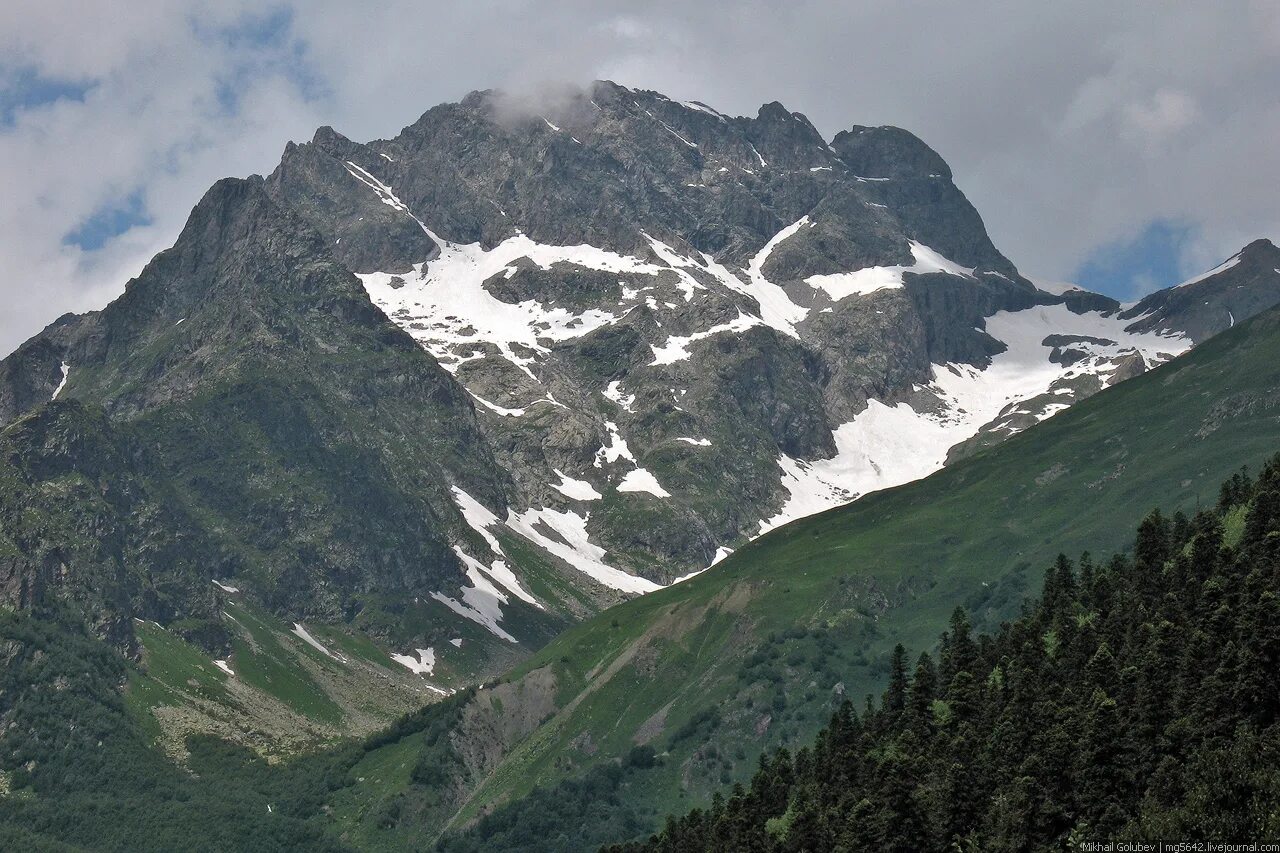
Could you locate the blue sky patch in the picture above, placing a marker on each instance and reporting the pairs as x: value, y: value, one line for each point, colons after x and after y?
x: 262, y: 44
x: 1130, y: 269
x: 110, y: 220
x: 25, y: 88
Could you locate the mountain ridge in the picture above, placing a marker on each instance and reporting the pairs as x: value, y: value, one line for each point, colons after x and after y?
x: 389, y: 404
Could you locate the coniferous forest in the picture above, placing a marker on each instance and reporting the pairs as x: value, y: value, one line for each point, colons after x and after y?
x: 1139, y: 698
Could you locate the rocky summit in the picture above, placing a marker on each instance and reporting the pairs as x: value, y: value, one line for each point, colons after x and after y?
x: 458, y: 389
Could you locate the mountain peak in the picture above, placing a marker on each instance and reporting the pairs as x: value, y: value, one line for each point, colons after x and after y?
x: 773, y: 111
x: 1245, y: 284
x: 1260, y: 247
x: 889, y: 152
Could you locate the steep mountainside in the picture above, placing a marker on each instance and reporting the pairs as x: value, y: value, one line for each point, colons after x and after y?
x: 756, y: 653
x: 243, y: 419
x: 456, y: 390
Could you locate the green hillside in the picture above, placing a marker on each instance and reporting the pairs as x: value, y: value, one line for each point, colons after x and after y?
x: 1135, y: 700
x: 755, y: 653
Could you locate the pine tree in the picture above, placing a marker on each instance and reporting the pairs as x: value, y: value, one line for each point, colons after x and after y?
x: 895, y: 698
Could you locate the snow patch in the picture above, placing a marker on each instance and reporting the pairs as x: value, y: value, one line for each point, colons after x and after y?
x: 481, y: 602
x: 62, y: 383
x: 702, y: 108
x: 574, y: 547
x: 614, y: 393
x: 224, y: 666
x: 720, y: 554
x: 870, y: 279
x: 676, y: 348
x: 224, y: 587
x: 696, y: 442
x: 616, y: 448
x: 642, y: 480
x: 477, y: 616
x: 423, y: 664
x: 499, y: 573
x: 443, y: 304
x: 1057, y: 288
x: 886, y: 446
x: 578, y: 490
x: 306, y: 637
x: 776, y: 308
x: 478, y: 517
x: 1222, y: 267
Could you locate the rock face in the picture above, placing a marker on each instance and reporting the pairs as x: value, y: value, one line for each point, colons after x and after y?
x: 1236, y: 289
x: 511, y: 366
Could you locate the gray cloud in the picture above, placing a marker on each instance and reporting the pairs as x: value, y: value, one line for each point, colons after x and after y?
x: 1070, y: 126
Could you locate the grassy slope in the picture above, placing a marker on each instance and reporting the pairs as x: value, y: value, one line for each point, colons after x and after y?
x: 753, y: 653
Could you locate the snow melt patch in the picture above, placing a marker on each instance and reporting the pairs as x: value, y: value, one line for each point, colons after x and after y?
x: 676, y: 348
x: 306, y: 637
x: 572, y: 545
x: 423, y: 664
x: 481, y: 602
x: 222, y: 586
x: 870, y: 279
x: 62, y: 383
x: 444, y: 304
x: 478, y: 517
x: 886, y: 446
x: 614, y: 393
x: 456, y: 642
x: 641, y: 480
x: 616, y: 448
x: 578, y: 490
x: 1222, y: 267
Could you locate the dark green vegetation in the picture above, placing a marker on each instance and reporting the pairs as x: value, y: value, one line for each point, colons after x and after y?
x: 1136, y: 700
x: 757, y: 653
x: 81, y: 773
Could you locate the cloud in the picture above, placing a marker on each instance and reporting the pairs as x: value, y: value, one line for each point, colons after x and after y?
x: 1071, y: 126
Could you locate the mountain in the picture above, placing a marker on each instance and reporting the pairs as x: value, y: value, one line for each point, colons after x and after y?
x: 434, y: 399
x: 1216, y: 300
x: 757, y: 653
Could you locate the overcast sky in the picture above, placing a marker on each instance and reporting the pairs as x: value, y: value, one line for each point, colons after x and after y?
x: 1122, y: 145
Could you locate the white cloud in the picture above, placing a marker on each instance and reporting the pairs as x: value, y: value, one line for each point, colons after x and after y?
x: 1067, y: 124
x: 1166, y: 112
